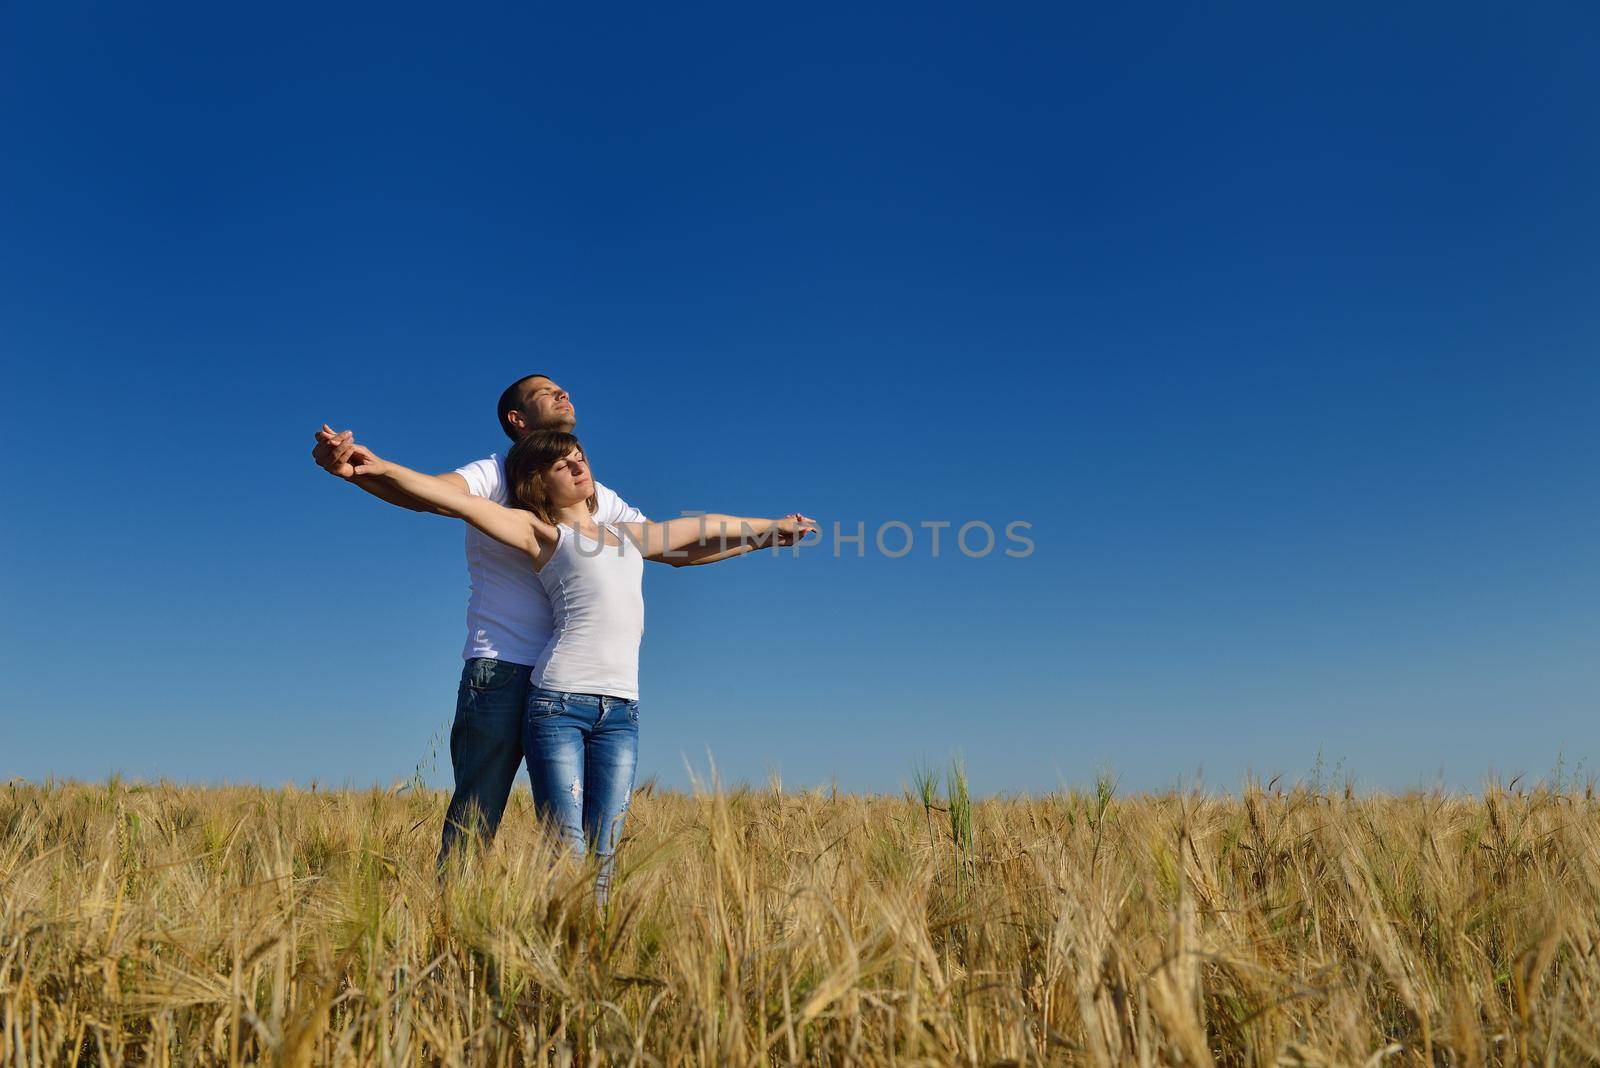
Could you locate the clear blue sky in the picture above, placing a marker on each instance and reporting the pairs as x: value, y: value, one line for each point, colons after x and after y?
x: 1278, y: 324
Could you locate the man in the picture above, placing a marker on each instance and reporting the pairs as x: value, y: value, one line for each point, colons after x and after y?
x: 508, y: 613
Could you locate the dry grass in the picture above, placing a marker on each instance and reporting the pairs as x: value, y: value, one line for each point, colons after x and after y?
x: 174, y: 925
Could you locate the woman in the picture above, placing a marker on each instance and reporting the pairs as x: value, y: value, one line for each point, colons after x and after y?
x: 580, y: 733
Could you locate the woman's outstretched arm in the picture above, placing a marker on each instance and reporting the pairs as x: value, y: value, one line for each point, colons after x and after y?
x: 713, y: 528
x: 335, y: 453
x: 517, y: 528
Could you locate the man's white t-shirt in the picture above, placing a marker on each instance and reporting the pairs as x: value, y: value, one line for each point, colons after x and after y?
x: 508, y: 612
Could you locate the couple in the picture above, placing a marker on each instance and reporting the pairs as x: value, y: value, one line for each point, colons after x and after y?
x: 554, y: 618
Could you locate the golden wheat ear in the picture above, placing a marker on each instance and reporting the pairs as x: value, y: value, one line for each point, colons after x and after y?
x: 1281, y: 923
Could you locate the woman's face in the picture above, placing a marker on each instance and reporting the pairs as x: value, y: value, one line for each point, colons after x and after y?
x: 568, y: 480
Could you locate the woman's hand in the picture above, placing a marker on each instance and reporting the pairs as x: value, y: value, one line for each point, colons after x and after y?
x: 364, y: 462
x: 791, y: 528
x: 326, y: 452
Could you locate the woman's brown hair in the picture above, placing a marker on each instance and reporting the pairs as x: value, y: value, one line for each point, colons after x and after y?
x: 527, y: 464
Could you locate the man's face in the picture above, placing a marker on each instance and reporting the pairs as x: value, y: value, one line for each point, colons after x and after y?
x: 546, y: 406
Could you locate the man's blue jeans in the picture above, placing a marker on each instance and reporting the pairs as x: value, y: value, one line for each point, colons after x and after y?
x: 485, y: 747
x: 582, y: 749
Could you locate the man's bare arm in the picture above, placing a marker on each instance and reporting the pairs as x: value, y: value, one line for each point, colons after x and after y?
x: 709, y: 553
x: 712, y: 550
x: 516, y: 527
x: 387, y: 491
x: 334, y: 452
x: 715, y: 530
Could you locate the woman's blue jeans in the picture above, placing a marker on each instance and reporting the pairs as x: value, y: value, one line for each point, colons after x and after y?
x: 582, y: 749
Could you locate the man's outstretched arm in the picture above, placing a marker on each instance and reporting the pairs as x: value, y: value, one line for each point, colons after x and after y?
x: 712, y: 549
x: 333, y: 453
x: 708, y: 553
x: 690, y: 555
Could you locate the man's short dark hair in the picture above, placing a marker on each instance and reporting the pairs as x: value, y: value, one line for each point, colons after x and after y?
x: 511, y: 401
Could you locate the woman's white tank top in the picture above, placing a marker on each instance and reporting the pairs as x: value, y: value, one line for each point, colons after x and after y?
x: 597, y: 603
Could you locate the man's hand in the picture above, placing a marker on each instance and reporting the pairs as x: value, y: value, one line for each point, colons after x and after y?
x: 333, y: 451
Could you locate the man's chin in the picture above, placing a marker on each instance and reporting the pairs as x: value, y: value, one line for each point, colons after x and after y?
x: 562, y: 421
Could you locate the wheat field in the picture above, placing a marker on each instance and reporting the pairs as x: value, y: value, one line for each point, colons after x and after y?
x: 174, y: 925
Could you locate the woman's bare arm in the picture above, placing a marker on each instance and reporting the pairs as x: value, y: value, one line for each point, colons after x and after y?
x: 515, y: 527
x: 335, y: 453
x: 654, y: 539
